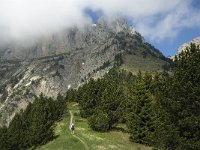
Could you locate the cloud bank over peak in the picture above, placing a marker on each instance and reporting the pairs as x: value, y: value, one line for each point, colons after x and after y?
x: 23, y: 18
x: 155, y: 19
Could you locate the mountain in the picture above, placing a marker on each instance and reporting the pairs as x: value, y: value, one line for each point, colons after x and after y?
x: 69, y: 58
x: 187, y: 44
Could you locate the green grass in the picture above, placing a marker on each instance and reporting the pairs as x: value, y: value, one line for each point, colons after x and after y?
x: 117, y: 139
x: 134, y: 63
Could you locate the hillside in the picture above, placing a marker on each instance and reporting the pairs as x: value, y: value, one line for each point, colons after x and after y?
x: 85, y: 138
x: 160, y: 110
x: 69, y: 58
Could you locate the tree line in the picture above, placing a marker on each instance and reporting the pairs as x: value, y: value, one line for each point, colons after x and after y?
x: 33, y: 126
x: 160, y: 109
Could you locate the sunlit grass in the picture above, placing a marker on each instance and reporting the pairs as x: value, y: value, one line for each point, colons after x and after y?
x: 116, y: 139
x: 134, y: 63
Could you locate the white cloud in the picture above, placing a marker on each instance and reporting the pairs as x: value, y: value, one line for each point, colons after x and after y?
x: 155, y: 19
x: 24, y: 18
x: 171, y: 23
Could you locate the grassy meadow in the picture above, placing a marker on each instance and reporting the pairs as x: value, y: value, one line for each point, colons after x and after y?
x: 85, y: 138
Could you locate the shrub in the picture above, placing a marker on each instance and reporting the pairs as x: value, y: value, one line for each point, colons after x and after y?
x: 99, y: 121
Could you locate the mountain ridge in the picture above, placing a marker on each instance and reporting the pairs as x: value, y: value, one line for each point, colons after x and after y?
x: 69, y: 59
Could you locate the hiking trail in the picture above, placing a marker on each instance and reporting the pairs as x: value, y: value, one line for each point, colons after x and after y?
x: 71, y: 119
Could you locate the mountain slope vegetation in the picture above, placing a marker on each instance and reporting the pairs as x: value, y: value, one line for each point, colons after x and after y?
x: 160, y: 110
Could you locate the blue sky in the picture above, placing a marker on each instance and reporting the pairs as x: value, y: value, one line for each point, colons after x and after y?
x: 169, y: 46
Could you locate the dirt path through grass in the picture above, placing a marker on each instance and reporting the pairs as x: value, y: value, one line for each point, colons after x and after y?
x: 87, y: 139
x: 71, y: 119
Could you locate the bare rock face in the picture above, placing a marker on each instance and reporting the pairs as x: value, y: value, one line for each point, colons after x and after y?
x: 196, y: 41
x: 63, y: 60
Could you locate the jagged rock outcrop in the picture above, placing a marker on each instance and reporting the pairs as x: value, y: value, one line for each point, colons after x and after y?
x: 183, y: 47
x: 187, y: 44
x: 54, y: 63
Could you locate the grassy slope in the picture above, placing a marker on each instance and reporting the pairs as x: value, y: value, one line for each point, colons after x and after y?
x: 116, y: 139
x: 134, y: 63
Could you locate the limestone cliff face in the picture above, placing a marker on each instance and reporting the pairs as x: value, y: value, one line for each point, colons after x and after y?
x: 187, y: 44
x: 54, y: 63
x: 87, y: 38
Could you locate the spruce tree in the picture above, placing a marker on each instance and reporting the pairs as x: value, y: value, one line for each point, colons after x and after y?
x: 141, y: 120
x: 181, y: 102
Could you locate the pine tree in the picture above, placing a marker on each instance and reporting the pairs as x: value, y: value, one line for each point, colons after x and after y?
x: 181, y: 103
x: 15, y: 132
x: 71, y: 95
x: 4, y: 143
x: 141, y: 120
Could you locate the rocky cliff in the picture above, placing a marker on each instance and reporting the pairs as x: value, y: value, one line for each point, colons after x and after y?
x: 187, y: 44
x: 67, y: 59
